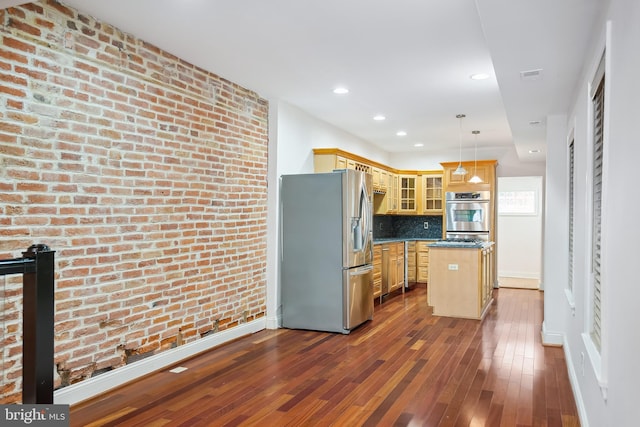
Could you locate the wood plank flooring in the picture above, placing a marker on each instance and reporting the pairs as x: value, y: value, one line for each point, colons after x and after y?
x: 404, y: 368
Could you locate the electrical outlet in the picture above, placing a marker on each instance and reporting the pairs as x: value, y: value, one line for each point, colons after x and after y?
x: 426, y: 225
x: 453, y: 267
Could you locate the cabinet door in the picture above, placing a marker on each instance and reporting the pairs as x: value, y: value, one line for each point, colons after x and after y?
x: 407, y: 194
x: 393, y: 271
x: 392, y: 194
x: 377, y: 270
x: 341, y: 162
x: 481, y: 171
x: 457, y: 179
x: 384, y: 178
x: 375, y: 178
x: 400, y: 266
x: 411, y: 262
x: 432, y: 194
x: 422, y: 256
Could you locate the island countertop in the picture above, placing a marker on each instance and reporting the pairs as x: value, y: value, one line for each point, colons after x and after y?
x: 455, y: 244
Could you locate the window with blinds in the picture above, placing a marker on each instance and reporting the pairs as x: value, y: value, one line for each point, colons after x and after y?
x: 596, y: 238
x: 571, y: 210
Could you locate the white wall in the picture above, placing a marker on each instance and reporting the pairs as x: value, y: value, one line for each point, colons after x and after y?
x: 520, y: 236
x: 299, y: 133
x: 606, y: 386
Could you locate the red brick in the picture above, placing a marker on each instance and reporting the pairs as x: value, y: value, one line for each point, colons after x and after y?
x: 136, y: 203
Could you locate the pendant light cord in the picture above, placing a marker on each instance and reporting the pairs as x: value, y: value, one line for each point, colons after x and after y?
x: 460, y: 117
x: 475, y: 153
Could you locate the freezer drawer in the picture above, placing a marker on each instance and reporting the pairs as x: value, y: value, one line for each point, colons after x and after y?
x: 358, y: 296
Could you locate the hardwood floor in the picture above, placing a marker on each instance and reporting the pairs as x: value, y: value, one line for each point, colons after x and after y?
x: 404, y: 368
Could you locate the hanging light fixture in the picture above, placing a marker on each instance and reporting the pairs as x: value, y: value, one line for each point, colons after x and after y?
x: 475, y: 179
x: 460, y: 170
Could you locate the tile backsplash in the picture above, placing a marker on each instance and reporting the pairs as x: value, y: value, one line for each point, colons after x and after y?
x: 407, y: 226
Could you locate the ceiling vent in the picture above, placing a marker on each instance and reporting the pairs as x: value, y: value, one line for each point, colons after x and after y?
x: 531, y: 74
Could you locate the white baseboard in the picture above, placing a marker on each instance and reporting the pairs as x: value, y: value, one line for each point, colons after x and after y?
x: 519, y: 274
x: 551, y: 338
x: 92, y: 387
x: 573, y: 380
x: 274, y: 322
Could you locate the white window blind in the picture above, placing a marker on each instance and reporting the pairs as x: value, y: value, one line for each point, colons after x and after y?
x: 571, y: 211
x: 596, y: 249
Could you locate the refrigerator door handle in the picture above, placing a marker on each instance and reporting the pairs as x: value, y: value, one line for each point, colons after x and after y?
x: 365, y: 217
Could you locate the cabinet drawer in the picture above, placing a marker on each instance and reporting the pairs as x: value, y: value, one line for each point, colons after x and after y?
x: 422, y: 246
x: 422, y: 274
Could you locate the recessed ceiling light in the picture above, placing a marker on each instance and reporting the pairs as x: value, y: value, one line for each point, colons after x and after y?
x: 379, y: 117
x: 401, y: 133
x: 479, y: 76
x: 419, y: 144
x: 534, y: 151
x: 341, y: 90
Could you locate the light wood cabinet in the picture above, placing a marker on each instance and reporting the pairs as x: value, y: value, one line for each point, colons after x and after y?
x: 387, y: 202
x: 408, y: 194
x: 379, y: 180
x: 485, y: 169
x: 422, y: 261
x: 396, y: 266
x: 340, y: 163
x: 385, y: 184
x: 377, y: 271
x: 375, y: 178
x: 459, y: 281
x: 392, y: 267
x: 328, y: 159
x: 411, y: 262
x: 487, y: 275
x: 384, y: 180
x: 392, y: 194
x: 432, y: 195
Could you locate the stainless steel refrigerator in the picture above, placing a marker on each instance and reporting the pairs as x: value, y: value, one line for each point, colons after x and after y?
x: 326, y: 250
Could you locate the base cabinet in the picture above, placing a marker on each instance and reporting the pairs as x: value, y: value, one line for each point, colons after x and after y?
x: 391, y: 267
x: 422, y: 261
x: 460, y: 281
x: 411, y: 262
x: 377, y: 271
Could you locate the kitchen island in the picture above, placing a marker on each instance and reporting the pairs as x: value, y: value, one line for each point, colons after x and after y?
x: 461, y: 279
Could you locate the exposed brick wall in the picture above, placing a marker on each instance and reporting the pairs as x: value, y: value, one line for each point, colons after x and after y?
x: 146, y: 175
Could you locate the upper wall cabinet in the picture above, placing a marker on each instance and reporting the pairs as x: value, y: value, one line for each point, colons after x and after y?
x: 396, y: 191
x: 408, y: 194
x: 432, y: 196
x: 485, y: 169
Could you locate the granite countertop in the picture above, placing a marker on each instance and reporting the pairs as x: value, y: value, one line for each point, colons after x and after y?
x: 377, y: 241
x: 470, y: 245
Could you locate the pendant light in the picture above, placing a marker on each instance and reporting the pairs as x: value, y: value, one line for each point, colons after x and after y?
x: 475, y: 179
x: 460, y: 170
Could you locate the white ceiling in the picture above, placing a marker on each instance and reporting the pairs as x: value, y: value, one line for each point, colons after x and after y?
x: 407, y: 59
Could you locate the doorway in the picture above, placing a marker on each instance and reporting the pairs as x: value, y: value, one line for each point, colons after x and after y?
x: 520, y: 232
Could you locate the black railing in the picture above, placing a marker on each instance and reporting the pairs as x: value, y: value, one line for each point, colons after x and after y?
x: 37, y: 269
